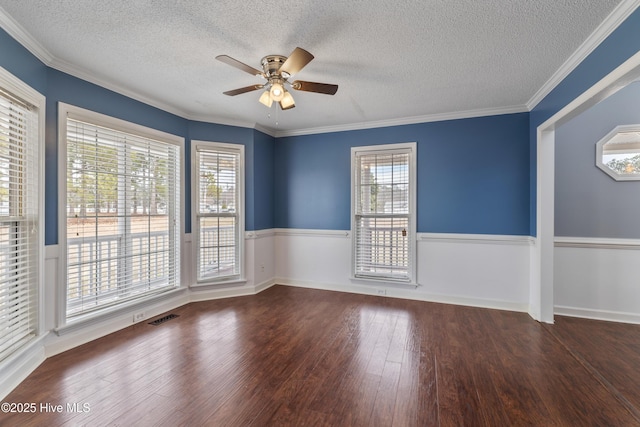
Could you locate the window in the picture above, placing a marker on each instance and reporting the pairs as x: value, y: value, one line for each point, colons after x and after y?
x: 219, y: 214
x: 618, y: 153
x: 21, y: 142
x: 122, y: 205
x: 383, y: 218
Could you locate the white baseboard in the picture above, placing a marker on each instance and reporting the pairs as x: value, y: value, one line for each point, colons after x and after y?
x: 56, y: 344
x: 211, y: 293
x: 481, y: 271
x: 264, y: 285
x: 406, y: 294
x: 17, y: 367
x: 458, y: 269
x: 609, y: 316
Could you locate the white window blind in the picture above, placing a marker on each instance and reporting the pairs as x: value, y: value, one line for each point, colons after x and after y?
x: 123, y: 216
x: 219, y: 211
x: 383, y: 215
x: 18, y: 222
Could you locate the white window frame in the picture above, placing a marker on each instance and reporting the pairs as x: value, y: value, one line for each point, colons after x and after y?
x: 412, y: 232
x: 238, y: 149
x: 66, y: 111
x: 600, y: 151
x: 20, y: 89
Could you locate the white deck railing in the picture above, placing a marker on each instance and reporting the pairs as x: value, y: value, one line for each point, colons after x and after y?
x: 111, y: 268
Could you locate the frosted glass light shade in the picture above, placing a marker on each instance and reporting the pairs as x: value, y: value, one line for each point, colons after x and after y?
x: 265, y: 99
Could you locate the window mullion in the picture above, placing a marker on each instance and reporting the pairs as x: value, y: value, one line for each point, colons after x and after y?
x: 124, y: 218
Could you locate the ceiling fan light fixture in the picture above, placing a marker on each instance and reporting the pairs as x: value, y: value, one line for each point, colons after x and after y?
x: 276, y: 70
x: 277, y: 91
x: 265, y: 99
x: 287, y: 101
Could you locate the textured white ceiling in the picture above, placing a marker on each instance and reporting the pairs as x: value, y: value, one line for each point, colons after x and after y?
x: 392, y: 59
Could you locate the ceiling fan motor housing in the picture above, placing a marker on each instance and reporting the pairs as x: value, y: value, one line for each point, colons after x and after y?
x: 276, y: 70
x: 271, y: 64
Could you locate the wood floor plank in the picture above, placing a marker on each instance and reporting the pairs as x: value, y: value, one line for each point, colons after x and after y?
x: 302, y: 357
x: 598, y: 343
x: 384, y: 405
x: 417, y: 400
x: 504, y: 384
x: 352, y: 399
x: 571, y: 395
x: 458, y: 402
x: 483, y: 363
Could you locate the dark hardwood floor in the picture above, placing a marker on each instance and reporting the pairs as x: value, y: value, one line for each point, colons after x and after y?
x: 300, y: 357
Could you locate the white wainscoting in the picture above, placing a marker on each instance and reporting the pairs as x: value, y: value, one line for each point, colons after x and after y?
x: 476, y: 270
x: 594, y: 278
x: 480, y: 270
x: 597, y: 278
x: 260, y: 271
x: 259, y: 274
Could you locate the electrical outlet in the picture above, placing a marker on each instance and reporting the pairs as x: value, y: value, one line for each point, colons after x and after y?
x: 382, y: 291
x: 138, y: 317
x: 262, y: 268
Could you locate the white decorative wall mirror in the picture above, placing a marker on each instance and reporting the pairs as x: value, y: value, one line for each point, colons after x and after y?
x: 618, y: 153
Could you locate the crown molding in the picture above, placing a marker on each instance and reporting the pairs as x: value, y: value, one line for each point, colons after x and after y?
x: 81, y: 73
x: 615, y: 18
x: 265, y: 130
x: 406, y: 121
x: 15, y: 30
x: 606, y: 27
x: 213, y: 119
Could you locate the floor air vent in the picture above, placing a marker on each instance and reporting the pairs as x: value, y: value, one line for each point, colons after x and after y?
x: 163, y: 319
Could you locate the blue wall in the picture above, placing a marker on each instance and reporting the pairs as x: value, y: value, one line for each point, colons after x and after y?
x: 201, y: 131
x: 473, y: 175
x: 258, y: 152
x: 263, y: 182
x: 588, y: 202
x: 621, y: 44
x: 61, y: 87
x: 21, y: 63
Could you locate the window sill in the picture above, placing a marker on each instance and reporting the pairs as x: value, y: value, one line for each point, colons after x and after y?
x: 384, y: 282
x: 100, y: 316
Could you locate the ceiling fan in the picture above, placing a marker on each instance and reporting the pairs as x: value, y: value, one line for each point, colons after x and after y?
x: 277, y: 70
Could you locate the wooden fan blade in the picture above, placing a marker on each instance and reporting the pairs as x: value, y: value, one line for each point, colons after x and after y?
x: 239, y: 65
x: 296, y: 61
x: 243, y: 90
x: 315, y: 87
